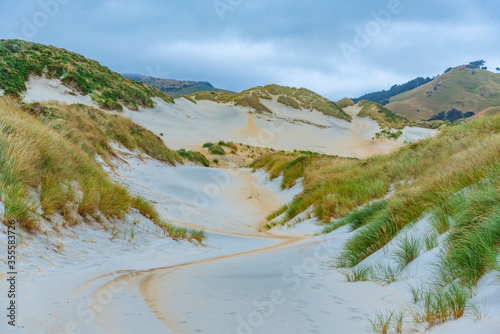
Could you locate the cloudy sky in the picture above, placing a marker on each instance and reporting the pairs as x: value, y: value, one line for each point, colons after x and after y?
x: 336, y: 48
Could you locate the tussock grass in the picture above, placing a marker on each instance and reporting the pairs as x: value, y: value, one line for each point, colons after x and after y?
x: 439, y: 306
x: 398, y: 320
x: 387, y: 274
x: 288, y: 101
x: 431, y: 240
x: 407, y: 250
x: 52, y: 153
x: 358, y: 273
x: 478, y: 311
x: 198, y: 235
x: 417, y: 291
x: 345, y: 102
x: 381, y: 322
x: 196, y: 157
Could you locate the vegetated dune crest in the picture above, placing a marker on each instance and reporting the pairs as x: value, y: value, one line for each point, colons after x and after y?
x: 188, y: 125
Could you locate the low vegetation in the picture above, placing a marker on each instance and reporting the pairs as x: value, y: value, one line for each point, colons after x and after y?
x: 195, y: 157
x: 20, y: 60
x: 293, y: 97
x: 388, y: 134
x: 384, y: 117
x: 345, y: 102
x: 47, y: 162
x: 427, y: 177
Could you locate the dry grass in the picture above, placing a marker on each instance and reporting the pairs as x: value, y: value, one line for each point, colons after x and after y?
x: 52, y: 152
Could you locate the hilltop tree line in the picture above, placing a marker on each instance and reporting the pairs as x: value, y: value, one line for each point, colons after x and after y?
x: 383, y: 96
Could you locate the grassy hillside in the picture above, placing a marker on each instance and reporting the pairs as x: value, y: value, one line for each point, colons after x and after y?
x: 488, y: 112
x: 175, y: 88
x: 19, y: 60
x: 462, y: 88
x: 427, y: 177
x: 47, y: 163
x: 384, y: 96
x: 385, y: 118
x: 298, y: 98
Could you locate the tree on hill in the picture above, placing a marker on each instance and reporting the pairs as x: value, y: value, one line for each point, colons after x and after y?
x: 477, y: 64
x: 451, y: 115
x: 498, y: 69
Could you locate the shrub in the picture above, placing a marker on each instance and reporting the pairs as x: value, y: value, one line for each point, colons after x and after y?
x: 345, y: 102
x: 217, y: 150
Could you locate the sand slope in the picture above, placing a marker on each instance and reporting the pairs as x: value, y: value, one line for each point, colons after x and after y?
x: 188, y: 125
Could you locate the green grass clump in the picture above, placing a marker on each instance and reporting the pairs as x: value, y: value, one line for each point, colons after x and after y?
x: 345, y: 102
x: 190, y: 99
x: 253, y: 101
x: 194, y: 156
x: 217, y: 150
x: 472, y: 245
x: 230, y: 145
x: 219, y: 96
x: 431, y: 240
x: 387, y: 274
x: 357, y: 274
x: 21, y: 59
x: 407, y: 250
x: 289, y: 101
x: 439, y: 306
x: 388, y: 134
x: 381, y: 322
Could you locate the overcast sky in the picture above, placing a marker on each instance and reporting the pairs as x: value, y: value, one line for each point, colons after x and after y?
x: 336, y: 48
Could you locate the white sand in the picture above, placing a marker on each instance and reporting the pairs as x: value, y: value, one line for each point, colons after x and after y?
x: 186, y: 125
x: 267, y: 283
x: 242, y: 281
x: 43, y: 89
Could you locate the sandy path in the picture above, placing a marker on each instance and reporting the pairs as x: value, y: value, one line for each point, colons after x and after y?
x: 286, y: 288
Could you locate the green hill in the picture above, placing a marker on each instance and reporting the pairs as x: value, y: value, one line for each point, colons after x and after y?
x: 174, y: 88
x: 19, y: 60
x: 463, y: 88
x: 298, y: 98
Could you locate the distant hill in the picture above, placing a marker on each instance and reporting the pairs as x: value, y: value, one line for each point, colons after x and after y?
x: 462, y: 88
x: 174, y: 88
x: 383, y: 96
